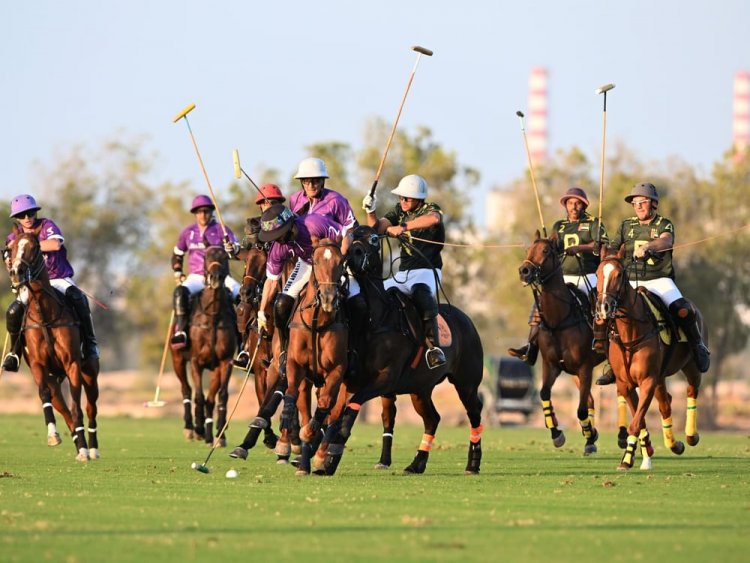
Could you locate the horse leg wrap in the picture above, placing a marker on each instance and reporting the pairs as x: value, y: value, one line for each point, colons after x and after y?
x: 592, y: 416
x: 269, y: 409
x: 426, y: 444
x: 691, y: 420
x: 475, y: 436
x: 622, y: 412
x: 647, y: 450
x: 289, y: 412
x: 666, y: 427
x: 259, y: 422
x: 49, y: 414
x: 586, y: 428
x: 550, y: 420
x: 347, y: 420
x: 629, y: 456
x: 475, y: 457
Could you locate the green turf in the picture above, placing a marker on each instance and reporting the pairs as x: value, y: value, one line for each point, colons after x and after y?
x: 143, y: 502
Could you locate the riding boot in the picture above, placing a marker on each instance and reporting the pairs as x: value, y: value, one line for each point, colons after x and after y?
x: 13, y: 323
x: 282, y: 314
x: 80, y: 304
x: 242, y: 359
x: 427, y: 306
x: 359, y: 322
x: 684, y: 315
x: 608, y: 377
x: 529, y: 352
x: 181, y: 303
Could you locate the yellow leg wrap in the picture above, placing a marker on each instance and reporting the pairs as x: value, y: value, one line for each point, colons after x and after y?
x: 691, y: 421
x: 647, y: 450
x: 629, y: 456
x: 592, y: 416
x: 550, y: 421
x: 426, y: 444
x: 586, y: 427
x: 666, y: 427
x: 622, y: 411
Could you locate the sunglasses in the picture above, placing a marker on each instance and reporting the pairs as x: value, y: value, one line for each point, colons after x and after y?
x: 25, y: 214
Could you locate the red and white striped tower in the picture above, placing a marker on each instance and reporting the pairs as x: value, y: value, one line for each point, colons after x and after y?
x: 536, y: 129
x: 741, y: 114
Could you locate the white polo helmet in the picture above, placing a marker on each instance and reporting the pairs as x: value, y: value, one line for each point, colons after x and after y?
x: 412, y: 186
x: 311, y: 168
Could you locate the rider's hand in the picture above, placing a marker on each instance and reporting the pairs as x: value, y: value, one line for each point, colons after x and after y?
x: 641, y: 252
x: 572, y: 250
x: 395, y: 230
x: 179, y: 277
x: 262, y: 322
x: 232, y: 248
x: 369, y: 203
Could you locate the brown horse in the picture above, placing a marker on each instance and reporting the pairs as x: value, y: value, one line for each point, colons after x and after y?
x: 53, y: 348
x: 391, y: 361
x: 565, y: 337
x: 318, y: 340
x: 213, y: 341
x: 640, y: 358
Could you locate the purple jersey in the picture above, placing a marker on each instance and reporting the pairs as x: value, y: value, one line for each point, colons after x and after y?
x: 56, y: 262
x: 308, y: 226
x: 192, y: 242
x: 330, y: 204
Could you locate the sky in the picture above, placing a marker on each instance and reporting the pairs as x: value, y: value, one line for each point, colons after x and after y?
x: 269, y: 78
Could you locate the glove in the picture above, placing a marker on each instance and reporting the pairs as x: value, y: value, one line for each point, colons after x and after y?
x: 572, y: 250
x: 179, y: 277
x: 262, y: 322
x: 232, y: 248
x: 369, y: 203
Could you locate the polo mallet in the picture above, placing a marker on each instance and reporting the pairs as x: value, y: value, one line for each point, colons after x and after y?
x: 420, y: 51
x: 203, y: 467
x: 175, y: 119
x: 520, y: 115
x: 238, y: 171
x: 156, y: 402
x: 602, y: 90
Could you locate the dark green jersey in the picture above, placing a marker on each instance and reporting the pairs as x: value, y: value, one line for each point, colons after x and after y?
x: 413, y: 260
x: 574, y: 233
x: 634, y: 235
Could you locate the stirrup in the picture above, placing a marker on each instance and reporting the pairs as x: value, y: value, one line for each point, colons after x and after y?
x: 242, y: 359
x: 11, y: 362
x: 434, y: 357
x: 599, y: 345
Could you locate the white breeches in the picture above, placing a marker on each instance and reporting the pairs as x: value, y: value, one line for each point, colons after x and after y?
x: 407, y: 279
x: 196, y: 282
x: 665, y: 288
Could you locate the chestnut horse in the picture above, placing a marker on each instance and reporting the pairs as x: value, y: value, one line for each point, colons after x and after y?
x: 392, y: 361
x: 640, y: 358
x: 565, y: 337
x: 53, y: 348
x: 213, y: 341
x: 318, y: 341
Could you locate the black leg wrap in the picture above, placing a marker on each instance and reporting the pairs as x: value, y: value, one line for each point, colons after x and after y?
x: 288, y: 413
x: 347, y: 421
x: 475, y: 457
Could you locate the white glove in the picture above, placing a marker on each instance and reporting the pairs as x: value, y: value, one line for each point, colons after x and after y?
x: 262, y: 322
x: 232, y: 248
x: 369, y: 203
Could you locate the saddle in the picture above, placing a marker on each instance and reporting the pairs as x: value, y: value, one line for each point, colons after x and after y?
x: 583, y: 302
x: 410, y: 323
x: 669, y: 330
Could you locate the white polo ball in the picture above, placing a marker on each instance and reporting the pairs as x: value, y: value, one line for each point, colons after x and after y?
x: 231, y: 474
x: 193, y: 465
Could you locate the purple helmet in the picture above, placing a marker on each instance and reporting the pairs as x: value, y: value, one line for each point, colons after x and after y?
x: 201, y: 201
x: 21, y: 203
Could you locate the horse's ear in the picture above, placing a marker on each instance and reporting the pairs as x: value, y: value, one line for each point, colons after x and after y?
x: 315, y: 241
x: 621, y: 252
x: 537, y: 235
x: 36, y: 230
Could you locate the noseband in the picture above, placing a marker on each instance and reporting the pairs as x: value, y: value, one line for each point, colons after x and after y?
x: 535, y: 276
x: 33, y: 268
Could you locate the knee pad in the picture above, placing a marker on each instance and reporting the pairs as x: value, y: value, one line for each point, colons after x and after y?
x: 181, y: 300
x: 282, y: 309
x: 14, y: 317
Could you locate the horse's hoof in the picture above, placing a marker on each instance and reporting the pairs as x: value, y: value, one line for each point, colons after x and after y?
x: 296, y: 461
x: 238, y: 453
x: 282, y: 460
x: 678, y: 448
x: 94, y: 453
x: 83, y: 455
x: 222, y: 442
x: 188, y: 434
x: 321, y: 472
x: 270, y: 440
x: 623, y: 467
x: 693, y: 440
x: 318, y: 464
x: 589, y: 449
x: 301, y: 473
x: 382, y: 466
x: 646, y: 464
x: 54, y: 440
x: 416, y: 467
x: 559, y: 441
x: 283, y: 449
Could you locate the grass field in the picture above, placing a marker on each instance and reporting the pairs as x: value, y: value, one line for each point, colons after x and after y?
x: 143, y: 502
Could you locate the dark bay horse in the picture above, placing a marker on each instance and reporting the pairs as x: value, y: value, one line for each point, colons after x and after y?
x: 53, y: 348
x: 213, y: 341
x: 318, y: 341
x: 565, y: 337
x: 392, y: 361
x: 640, y: 358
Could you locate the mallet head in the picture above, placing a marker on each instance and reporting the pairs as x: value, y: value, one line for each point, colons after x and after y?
x: 422, y: 50
x: 236, y: 159
x: 605, y: 88
x: 519, y: 113
x: 183, y: 113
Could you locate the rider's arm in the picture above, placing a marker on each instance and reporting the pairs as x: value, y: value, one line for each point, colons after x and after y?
x: 50, y: 245
x: 664, y: 242
x: 270, y: 288
x: 422, y: 222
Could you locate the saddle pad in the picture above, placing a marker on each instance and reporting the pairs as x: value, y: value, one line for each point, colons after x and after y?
x: 445, y: 337
x: 658, y: 312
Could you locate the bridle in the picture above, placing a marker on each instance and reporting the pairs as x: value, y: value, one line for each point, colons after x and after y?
x: 533, y: 272
x: 33, y: 267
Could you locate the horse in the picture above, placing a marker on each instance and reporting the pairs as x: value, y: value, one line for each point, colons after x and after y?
x: 391, y: 361
x: 213, y: 341
x: 53, y: 348
x: 564, y: 338
x: 640, y: 358
x: 318, y: 348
